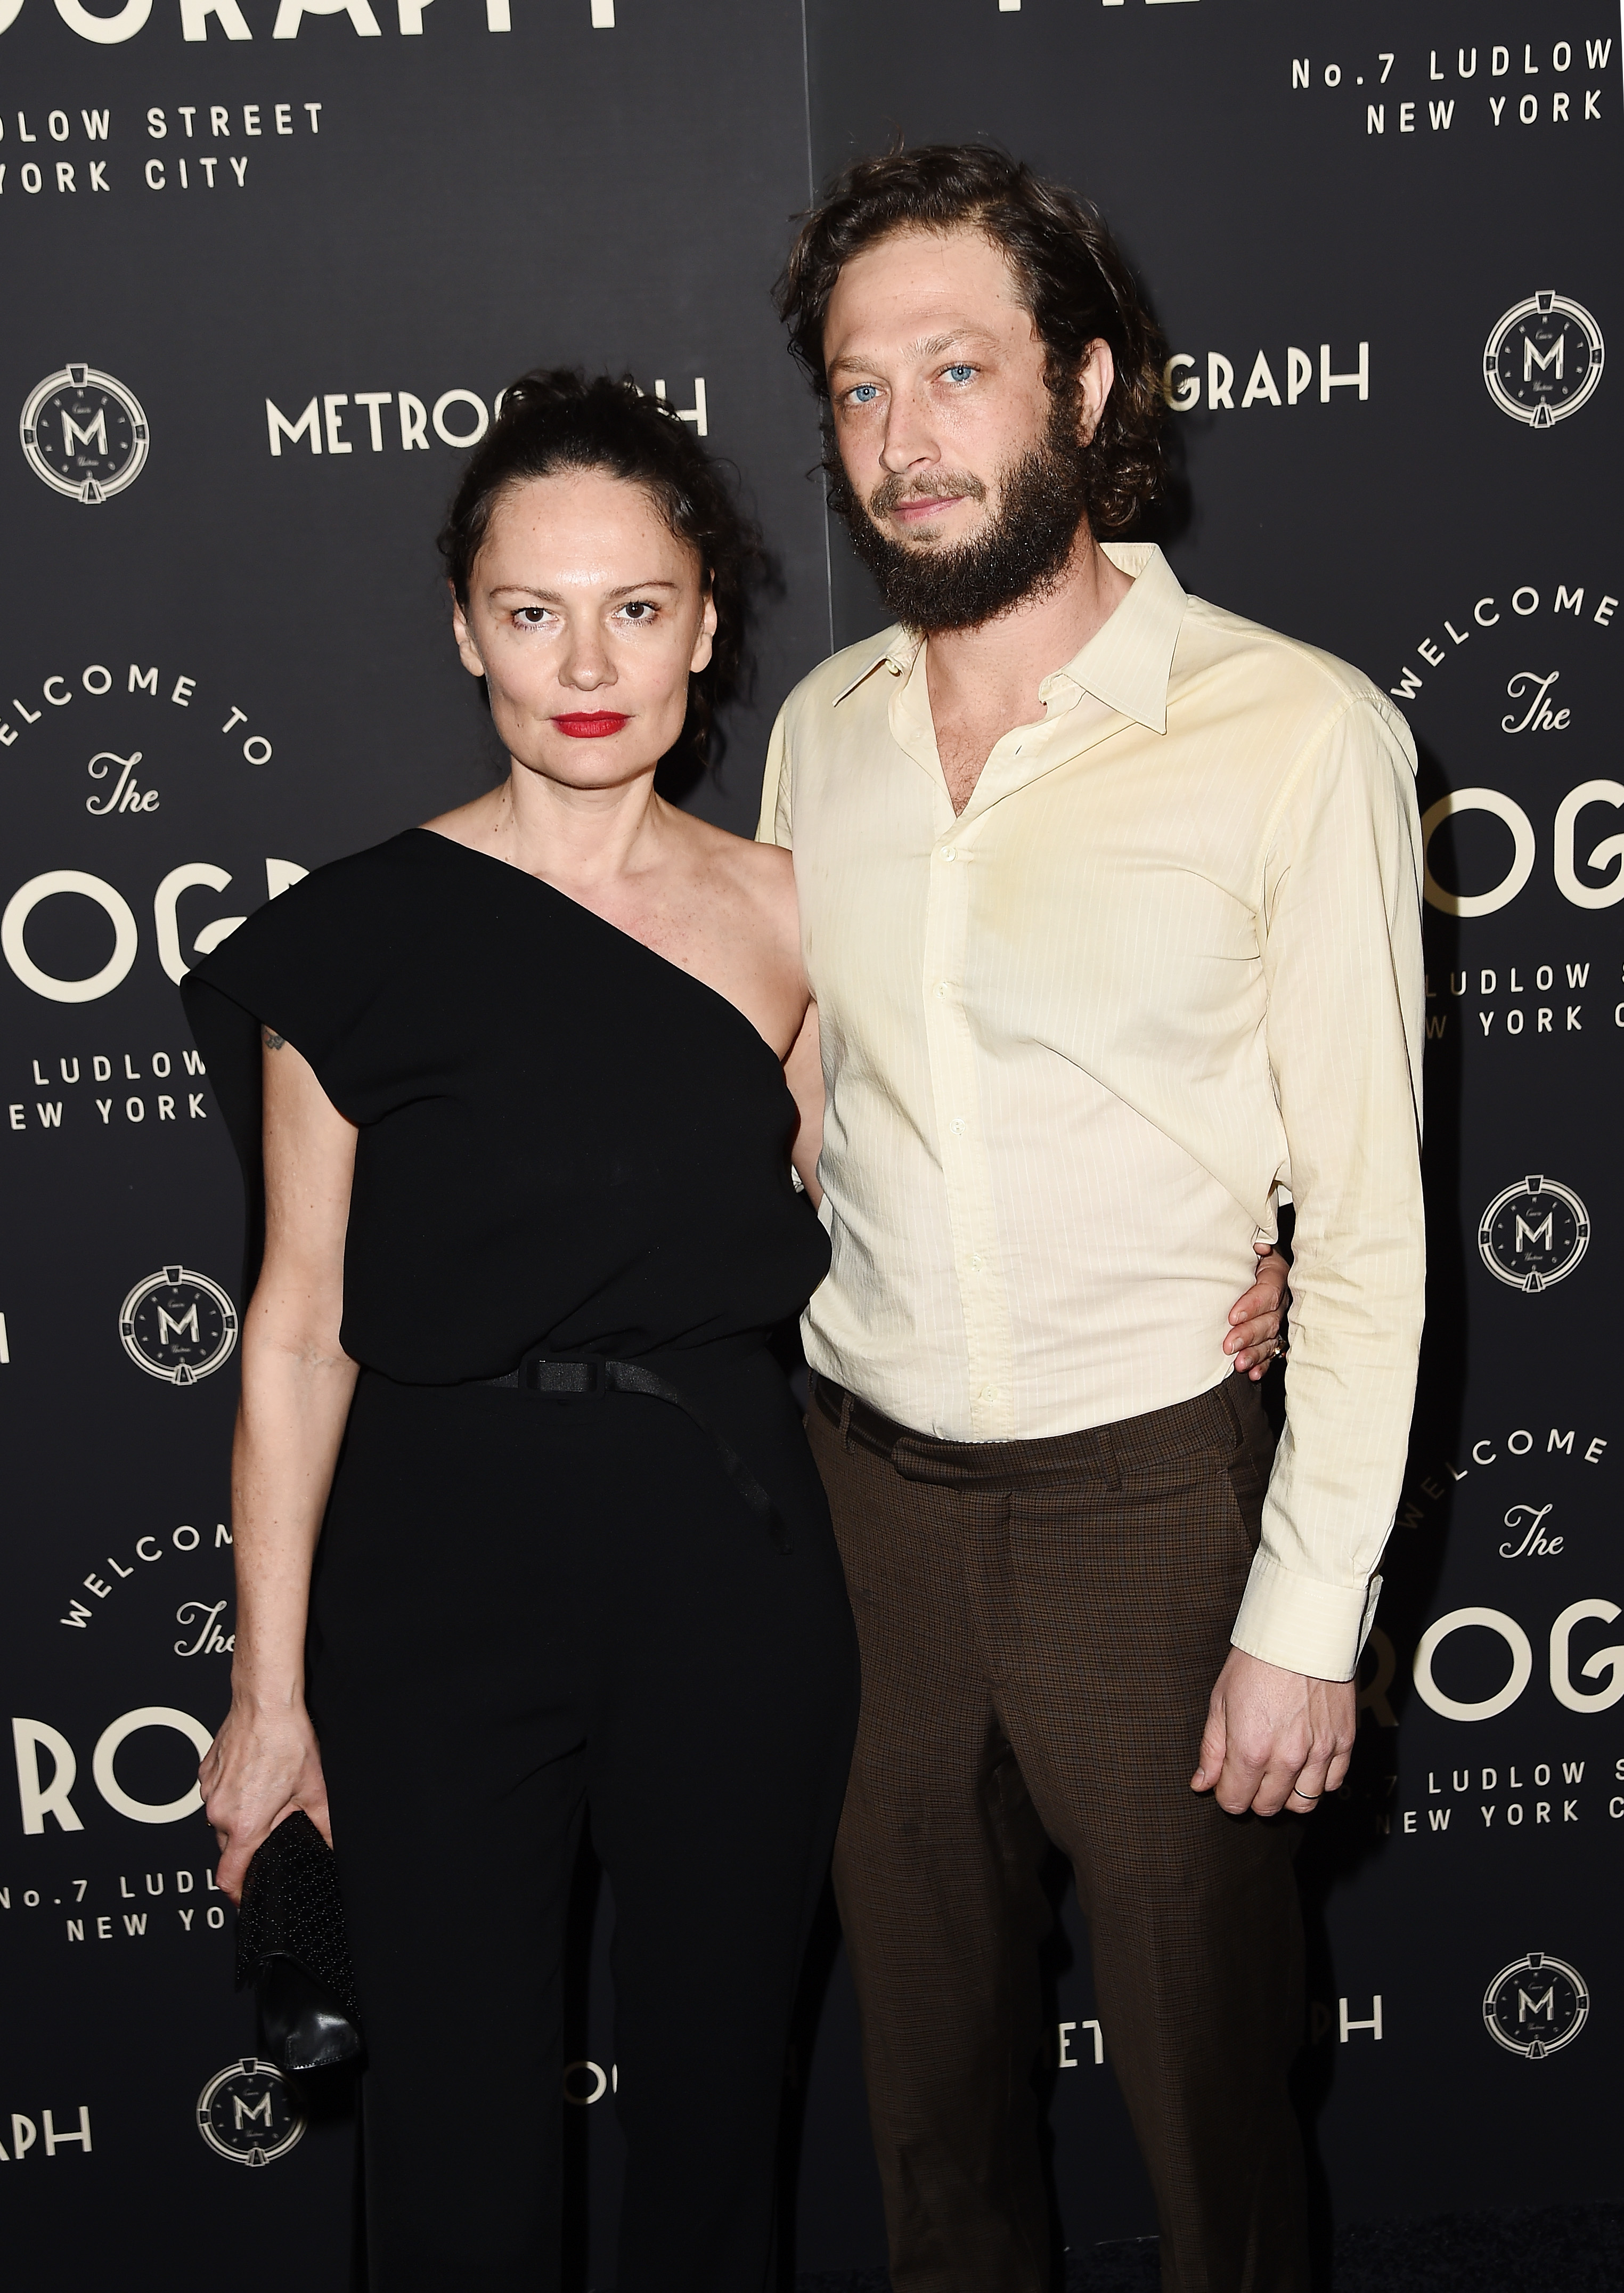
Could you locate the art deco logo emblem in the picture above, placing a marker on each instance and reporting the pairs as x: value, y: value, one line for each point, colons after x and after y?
x: 1535, y: 2005
x: 247, y: 2113
x: 178, y: 1325
x: 1533, y: 1234
x: 84, y: 434
x: 1543, y: 360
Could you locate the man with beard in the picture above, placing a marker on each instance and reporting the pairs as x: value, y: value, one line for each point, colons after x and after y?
x: 1110, y: 904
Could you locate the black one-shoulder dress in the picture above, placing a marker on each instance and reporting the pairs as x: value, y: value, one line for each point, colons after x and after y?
x: 530, y: 1601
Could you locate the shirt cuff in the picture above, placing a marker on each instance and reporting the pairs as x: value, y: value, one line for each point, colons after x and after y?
x: 1303, y: 1625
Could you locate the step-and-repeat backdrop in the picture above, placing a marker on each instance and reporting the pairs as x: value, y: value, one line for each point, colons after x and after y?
x: 267, y: 264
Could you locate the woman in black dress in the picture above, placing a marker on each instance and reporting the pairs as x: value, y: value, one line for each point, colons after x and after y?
x: 525, y: 1520
x: 525, y: 1110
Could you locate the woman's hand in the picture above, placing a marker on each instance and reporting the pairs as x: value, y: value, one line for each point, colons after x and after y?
x: 1253, y: 1337
x: 260, y: 1768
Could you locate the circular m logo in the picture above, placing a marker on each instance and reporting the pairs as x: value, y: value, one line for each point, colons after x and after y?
x: 1533, y: 1234
x: 178, y: 1325
x: 84, y: 434
x: 1535, y: 2005
x: 247, y: 2113
x: 1543, y: 359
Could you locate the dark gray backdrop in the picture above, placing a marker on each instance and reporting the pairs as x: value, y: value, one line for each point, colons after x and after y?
x: 614, y: 184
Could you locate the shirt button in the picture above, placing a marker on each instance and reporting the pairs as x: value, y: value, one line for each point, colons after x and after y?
x: 975, y: 1265
x: 989, y: 1393
x: 941, y: 989
x: 947, y: 852
x: 957, y: 1126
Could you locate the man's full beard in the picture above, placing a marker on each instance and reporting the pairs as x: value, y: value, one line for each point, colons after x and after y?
x: 1021, y: 552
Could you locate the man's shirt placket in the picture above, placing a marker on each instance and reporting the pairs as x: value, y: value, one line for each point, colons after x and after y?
x: 961, y: 1135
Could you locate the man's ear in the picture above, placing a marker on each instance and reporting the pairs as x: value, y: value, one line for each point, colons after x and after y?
x: 460, y: 631
x: 1095, y: 377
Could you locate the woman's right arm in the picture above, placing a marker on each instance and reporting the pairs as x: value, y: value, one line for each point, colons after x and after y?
x: 297, y: 1388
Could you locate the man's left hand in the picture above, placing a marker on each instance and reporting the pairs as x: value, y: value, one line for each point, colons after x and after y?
x: 1274, y: 1738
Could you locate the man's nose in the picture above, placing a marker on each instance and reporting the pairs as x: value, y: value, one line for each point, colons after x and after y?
x: 910, y: 440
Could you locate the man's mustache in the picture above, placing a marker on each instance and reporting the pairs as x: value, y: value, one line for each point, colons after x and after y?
x: 895, y: 489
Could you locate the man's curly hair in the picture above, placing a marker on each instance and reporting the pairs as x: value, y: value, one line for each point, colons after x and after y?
x: 1069, y: 274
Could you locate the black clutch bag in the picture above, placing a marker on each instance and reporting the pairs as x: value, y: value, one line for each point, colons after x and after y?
x: 291, y: 1946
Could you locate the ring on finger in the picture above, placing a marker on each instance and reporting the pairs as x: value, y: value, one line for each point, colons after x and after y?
x: 1298, y: 1793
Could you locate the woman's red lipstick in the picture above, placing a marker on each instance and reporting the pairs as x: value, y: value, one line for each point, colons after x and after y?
x: 595, y: 725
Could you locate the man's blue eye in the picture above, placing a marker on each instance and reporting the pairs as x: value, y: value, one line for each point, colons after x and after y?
x: 960, y: 373
x: 864, y: 392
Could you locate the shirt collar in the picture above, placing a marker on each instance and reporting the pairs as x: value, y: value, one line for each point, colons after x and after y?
x: 895, y: 649
x: 1125, y: 664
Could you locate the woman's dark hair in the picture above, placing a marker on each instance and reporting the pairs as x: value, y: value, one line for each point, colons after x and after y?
x: 554, y: 418
x: 1071, y: 276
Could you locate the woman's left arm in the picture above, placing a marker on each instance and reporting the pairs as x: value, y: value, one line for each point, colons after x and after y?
x: 1255, y: 1318
x: 803, y: 1073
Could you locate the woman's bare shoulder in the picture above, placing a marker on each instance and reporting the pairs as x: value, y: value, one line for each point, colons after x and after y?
x: 766, y: 868
x: 752, y: 883
x: 760, y: 874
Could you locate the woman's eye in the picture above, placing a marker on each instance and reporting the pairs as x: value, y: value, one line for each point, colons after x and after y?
x: 959, y: 373
x: 639, y: 610
x: 531, y: 617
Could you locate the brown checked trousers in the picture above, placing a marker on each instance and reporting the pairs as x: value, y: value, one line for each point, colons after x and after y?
x: 1041, y: 1624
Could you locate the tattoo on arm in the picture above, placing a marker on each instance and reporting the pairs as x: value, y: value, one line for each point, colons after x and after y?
x: 271, y: 1040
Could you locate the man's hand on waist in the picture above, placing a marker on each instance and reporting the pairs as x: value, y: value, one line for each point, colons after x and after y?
x: 1274, y: 1738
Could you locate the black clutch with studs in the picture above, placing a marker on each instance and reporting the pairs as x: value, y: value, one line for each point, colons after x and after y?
x: 293, y: 1947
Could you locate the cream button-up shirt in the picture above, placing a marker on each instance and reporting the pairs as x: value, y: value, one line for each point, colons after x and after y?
x: 1078, y: 1039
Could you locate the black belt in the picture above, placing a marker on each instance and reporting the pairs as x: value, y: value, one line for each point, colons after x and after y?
x: 561, y: 1379
x: 865, y: 1425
